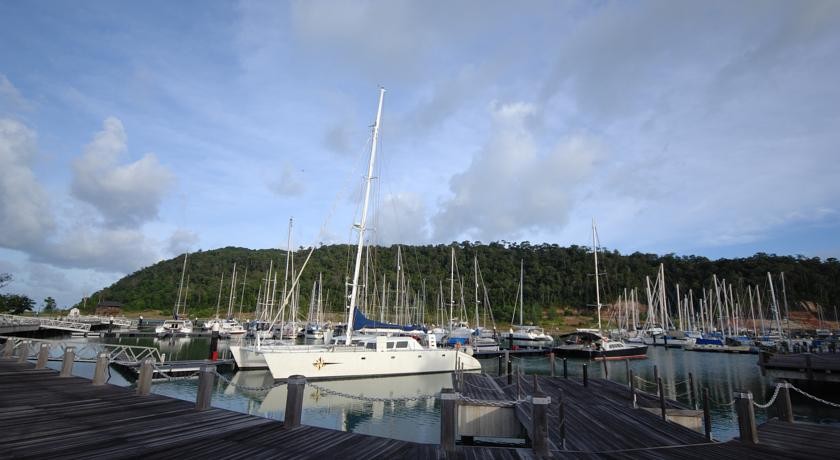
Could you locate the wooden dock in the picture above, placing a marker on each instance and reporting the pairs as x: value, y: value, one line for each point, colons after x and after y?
x: 599, y: 421
x: 802, y: 367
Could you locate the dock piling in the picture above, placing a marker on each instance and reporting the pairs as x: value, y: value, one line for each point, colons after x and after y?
x: 535, y: 385
x: 67, y: 363
x: 100, y: 373
x: 707, y: 415
x: 661, y: 398
x: 692, y: 399
x: 784, y: 406
x: 509, y: 366
x: 295, y: 387
x: 43, y: 356
x: 655, y: 373
x: 561, y: 420
x: 501, y: 365
x: 565, y: 369
x: 519, y: 384
x: 24, y: 351
x: 585, y: 375
x: 9, y: 350
x: 448, y: 420
x: 627, y: 370
x: 206, y: 377
x: 144, y: 380
x: 746, y: 417
x: 632, y: 390
x: 606, y: 371
x: 539, y: 418
x: 552, y: 363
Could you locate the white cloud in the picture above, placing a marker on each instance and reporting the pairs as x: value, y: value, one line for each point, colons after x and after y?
x: 104, y: 249
x: 512, y: 186
x: 25, y: 214
x: 181, y: 241
x: 289, y: 183
x: 127, y: 194
x: 401, y: 218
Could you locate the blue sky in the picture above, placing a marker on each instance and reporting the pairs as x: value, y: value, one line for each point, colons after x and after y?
x: 132, y: 131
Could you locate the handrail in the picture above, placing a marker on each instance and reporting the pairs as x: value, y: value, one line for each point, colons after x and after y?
x: 128, y: 355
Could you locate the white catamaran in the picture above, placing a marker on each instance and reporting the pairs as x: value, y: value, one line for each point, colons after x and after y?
x: 370, y: 356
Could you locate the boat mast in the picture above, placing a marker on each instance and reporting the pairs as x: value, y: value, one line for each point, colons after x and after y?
x: 451, y: 286
x: 521, y: 289
x: 597, y: 286
x: 180, y: 287
x: 361, y: 225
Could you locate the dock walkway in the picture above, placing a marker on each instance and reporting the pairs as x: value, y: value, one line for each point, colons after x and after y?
x: 600, y: 422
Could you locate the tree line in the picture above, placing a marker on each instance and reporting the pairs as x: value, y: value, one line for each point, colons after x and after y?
x: 555, y: 278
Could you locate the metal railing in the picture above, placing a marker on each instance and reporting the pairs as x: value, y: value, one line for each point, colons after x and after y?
x: 128, y: 355
x: 44, y: 323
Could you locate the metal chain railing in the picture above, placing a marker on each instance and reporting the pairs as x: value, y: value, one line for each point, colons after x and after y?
x: 772, y: 398
x: 329, y: 391
x: 239, y: 386
x: 487, y: 402
x: 829, y: 403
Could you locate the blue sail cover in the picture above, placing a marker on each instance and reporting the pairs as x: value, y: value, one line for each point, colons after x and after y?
x: 360, y: 321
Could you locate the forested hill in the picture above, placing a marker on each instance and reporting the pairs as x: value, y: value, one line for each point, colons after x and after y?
x: 554, y: 276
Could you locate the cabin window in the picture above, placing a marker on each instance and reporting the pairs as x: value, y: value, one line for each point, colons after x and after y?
x: 370, y: 346
x: 402, y: 344
x: 390, y: 345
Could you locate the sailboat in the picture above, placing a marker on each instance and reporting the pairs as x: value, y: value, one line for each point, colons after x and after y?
x: 365, y: 356
x: 176, y: 325
x: 591, y: 343
x: 522, y: 335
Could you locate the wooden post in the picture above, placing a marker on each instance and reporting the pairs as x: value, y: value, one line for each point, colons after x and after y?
x: 632, y: 390
x: 43, y: 356
x: 746, y: 417
x: 144, y: 381
x: 665, y: 340
x: 67, y: 363
x: 24, y: 351
x: 295, y: 386
x: 606, y: 371
x: 585, y: 375
x: 565, y: 369
x: 9, y: 350
x: 627, y: 370
x: 535, y: 385
x: 206, y: 377
x: 661, y: 398
x: 551, y: 362
x: 561, y: 419
x: 519, y: 384
x: 509, y: 366
x: 214, y: 343
x: 448, y: 420
x: 539, y: 429
x: 655, y: 372
x: 501, y: 365
x: 785, y: 407
x: 808, y: 369
x: 100, y: 373
x: 692, y: 397
x: 707, y: 415
x: 510, y: 341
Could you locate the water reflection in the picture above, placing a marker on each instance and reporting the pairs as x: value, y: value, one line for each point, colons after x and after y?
x: 418, y: 421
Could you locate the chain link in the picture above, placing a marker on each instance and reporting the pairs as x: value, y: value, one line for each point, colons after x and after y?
x: 772, y: 399
x: 832, y: 404
x: 245, y: 387
x: 487, y: 402
x: 371, y: 398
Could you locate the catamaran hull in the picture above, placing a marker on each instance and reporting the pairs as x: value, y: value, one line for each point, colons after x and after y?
x: 326, y: 364
x: 247, y: 358
x: 589, y: 353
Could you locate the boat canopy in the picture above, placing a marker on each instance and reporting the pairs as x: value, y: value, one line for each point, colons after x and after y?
x: 360, y: 321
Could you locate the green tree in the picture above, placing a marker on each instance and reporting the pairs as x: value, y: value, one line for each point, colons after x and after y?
x: 49, y: 305
x: 17, y: 304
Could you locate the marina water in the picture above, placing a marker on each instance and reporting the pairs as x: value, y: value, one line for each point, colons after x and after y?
x: 363, y: 406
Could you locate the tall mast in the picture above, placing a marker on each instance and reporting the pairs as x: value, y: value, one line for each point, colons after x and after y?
x: 362, y: 223
x: 451, y: 285
x: 181, y: 286
x: 597, y: 285
x: 475, y: 275
x: 521, y: 289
